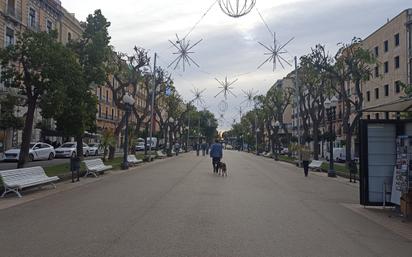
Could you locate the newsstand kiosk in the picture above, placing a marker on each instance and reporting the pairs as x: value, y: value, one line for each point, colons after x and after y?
x: 386, y: 163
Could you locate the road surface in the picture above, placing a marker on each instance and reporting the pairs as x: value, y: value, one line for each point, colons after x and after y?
x: 177, y: 207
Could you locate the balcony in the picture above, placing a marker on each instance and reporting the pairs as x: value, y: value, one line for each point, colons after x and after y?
x: 35, y: 27
x: 12, y: 14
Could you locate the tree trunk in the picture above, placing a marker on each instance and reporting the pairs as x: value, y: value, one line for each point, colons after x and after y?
x: 348, y: 146
x: 315, y: 142
x: 27, y: 132
x: 79, y: 147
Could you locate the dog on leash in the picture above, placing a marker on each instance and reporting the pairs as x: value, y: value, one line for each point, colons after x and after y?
x: 222, y: 169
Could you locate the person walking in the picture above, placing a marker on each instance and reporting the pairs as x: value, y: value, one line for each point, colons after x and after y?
x: 216, y: 153
x: 177, y: 148
x: 305, y: 157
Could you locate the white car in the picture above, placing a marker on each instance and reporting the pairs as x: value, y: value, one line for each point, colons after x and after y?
x: 37, y: 151
x: 95, y: 149
x: 69, y: 150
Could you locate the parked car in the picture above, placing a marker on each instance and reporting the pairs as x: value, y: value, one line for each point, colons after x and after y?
x: 284, y: 150
x: 139, y: 146
x: 152, y: 142
x: 339, y: 154
x: 69, y: 150
x: 37, y: 151
x: 95, y: 149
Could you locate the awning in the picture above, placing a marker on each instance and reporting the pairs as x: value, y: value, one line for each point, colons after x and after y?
x: 400, y: 105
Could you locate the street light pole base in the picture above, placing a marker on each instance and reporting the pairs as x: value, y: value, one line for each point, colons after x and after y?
x: 125, y: 166
x: 331, y: 173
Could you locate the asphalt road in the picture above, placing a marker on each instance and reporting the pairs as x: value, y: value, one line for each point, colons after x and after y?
x: 177, y: 207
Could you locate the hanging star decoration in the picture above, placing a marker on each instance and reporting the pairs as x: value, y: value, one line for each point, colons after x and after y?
x: 183, y: 53
x: 222, y: 119
x: 275, y: 53
x: 226, y: 87
x: 198, y: 96
x: 249, y: 95
x: 223, y: 106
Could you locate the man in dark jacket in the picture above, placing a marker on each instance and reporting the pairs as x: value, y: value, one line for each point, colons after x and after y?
x: 216, y: 153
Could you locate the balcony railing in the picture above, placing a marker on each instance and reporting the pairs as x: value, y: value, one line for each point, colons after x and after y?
x: 12, y: 13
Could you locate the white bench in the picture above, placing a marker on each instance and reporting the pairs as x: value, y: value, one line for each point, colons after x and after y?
x: 160, y: 154
x: 95, y: 166
x: 133, y: 160
x: 316, y: 165
x: 268, y: 154
x: 15, y: 180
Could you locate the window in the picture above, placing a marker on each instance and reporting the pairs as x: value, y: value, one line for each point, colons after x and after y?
x: 376, y: 93
x: 386, y: 67
x: 100, y: 93
x: 376, y: 71
x: 100, y: 111
x: 107, y: 112
x: 376, y: 50
x: 11, y: 7
x: 69, y: 36
x: 397, y: 86
x: 9, y: 36
x: 387, y: 115
x: 377, y: 116
x: 107, y: 96
x: 386, y: 46
x: 368, y: 117
x: 49, y: 26
x: 386, y: 87
x: 368, y: 96
x: 397, y: 62
x: 397, y: 41
x: 112, y: 114
x: 32, y: 18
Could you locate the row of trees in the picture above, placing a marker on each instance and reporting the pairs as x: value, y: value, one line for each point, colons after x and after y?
x: 320, y: 77
x: 60, y: 81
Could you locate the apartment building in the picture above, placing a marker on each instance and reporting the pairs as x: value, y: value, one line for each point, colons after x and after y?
x: 37, y: 15
x: 391, y: 44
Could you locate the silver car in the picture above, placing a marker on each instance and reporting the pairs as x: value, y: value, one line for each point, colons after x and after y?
x: 37, y: 151
x: 95, y: 149
x: 69, y: 149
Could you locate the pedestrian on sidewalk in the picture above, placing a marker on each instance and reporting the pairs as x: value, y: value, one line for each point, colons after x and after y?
x: 177, y: 148
x: 305, y: 155
x: 216, y: 153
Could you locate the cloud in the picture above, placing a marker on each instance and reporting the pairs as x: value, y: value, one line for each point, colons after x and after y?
x: 230, y: 46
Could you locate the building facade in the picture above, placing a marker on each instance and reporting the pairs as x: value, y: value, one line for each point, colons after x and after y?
x: 391, y: 45
x: 17, y: 16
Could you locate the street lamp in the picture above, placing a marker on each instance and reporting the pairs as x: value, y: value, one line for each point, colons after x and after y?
x: 276, y: 126
x: 128, y: 101
x: 330, y: 106
x: 257, y: 149
x: 171, y: 122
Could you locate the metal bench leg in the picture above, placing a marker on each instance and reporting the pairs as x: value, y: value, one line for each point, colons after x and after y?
x: 7, y: 190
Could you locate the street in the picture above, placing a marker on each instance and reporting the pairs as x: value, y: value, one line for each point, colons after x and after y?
x: 177, y: 207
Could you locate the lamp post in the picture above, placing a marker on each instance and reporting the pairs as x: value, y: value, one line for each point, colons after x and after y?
x: 330, y: 106
x: 171, y: 123
x: 128, y: 101
x: 198, y: 137
x: 257, y: 148
x: 275, y: 128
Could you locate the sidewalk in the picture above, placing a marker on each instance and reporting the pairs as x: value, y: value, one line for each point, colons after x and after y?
x: 36, y: 193
x: 386, y: 217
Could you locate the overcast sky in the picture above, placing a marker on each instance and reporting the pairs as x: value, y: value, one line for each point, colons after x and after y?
x: 230, y: 46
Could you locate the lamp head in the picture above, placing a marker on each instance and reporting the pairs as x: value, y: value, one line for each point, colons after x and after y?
x: 334, y: 101
x: 328, y: 104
